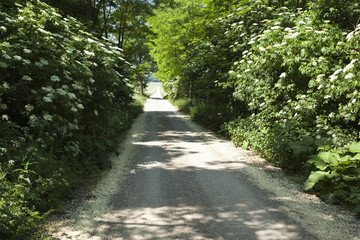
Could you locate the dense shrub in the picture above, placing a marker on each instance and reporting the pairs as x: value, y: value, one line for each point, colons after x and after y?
x: 335, y: 175
x: 63, y: 105
x: 281, y: 76
x: 211, y: 116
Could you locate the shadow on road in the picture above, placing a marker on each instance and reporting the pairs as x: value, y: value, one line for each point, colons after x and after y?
x: 179, y: 188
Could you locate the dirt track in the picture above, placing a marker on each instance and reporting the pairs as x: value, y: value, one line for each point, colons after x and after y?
x: 173, y: 180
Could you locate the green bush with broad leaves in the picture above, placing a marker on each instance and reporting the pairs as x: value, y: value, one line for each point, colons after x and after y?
x: 64, y: 102
x: 335, y: 175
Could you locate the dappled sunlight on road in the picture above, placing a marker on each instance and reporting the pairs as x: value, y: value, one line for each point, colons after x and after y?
x: 173, y: 180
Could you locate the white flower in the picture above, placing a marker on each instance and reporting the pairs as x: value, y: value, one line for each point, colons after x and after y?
x: 26, y: 78
x: 354, y: 100
x: 350, y: 65
x: 353, y: 61
x: 47, y: 117
x: 349, y: 75
x: 6, y: 44
x: 3, y: 65
x: 55, y: 78
x: 231, y: 72
x: 283, y: 75
x: 350, y: 36
x: 89, y: 53
x: 43, y: 31
x: 238, y: 76
x: 333, y: 77
x: 319, y: 77
x: 247, y: 70
x: 17, y: 58
x: 251, y: 42
x: 47, y: 99
x: 297, y: 107
x: 337, y: 72
x: 275, y: 27
x: 71, y: 95
x: 60, y: 91
x: 332, y: 115
x: 262, y: 104
x: 261, y: 48
x: 320, y: 86
x: 250, y: 62
x: 294, y: 35
x: 301, y: 22
x: 29, y: 107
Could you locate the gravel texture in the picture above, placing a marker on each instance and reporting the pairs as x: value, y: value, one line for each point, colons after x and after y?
x: 174, y: 180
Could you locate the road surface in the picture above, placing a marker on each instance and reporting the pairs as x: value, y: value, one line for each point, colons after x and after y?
x: 182, y: 183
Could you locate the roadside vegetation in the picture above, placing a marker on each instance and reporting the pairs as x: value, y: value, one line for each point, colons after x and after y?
x: 66, y: 102
x: 279, y: 77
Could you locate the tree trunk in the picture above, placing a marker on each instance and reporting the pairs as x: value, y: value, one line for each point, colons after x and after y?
x: 141, y: 84
x: 88, y: 12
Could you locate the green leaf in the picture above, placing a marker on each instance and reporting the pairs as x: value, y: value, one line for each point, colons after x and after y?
x: 329, y: 157
x: 319, y: 163
x: 356, y: 157
x: 100, y: 145
x: 354, y: 147
x: 245, y: 144
x: 315, y: 177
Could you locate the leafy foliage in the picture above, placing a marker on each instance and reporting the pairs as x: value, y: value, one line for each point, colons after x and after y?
x: 336, y: 175
x: 64, y: 102
x: 286, y: 73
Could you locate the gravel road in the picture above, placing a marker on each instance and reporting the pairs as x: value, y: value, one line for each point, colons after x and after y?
x: 173, y: 180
